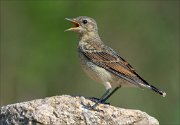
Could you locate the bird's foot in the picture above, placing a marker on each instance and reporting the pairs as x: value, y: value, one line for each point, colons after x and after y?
x: 93, y: 107
x: 97, y: 99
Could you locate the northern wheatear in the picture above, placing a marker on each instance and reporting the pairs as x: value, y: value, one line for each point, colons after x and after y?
x: 102, y: 63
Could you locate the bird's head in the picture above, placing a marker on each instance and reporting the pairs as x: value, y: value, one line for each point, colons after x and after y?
x: 82, y: 25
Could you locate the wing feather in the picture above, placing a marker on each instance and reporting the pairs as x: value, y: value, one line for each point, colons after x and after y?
x: 113, y: 63
x: 110, y: 61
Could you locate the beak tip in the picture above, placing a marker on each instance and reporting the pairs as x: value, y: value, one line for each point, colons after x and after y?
x: 68, y: 30
x: 68, y: 19
x: 65, y: 30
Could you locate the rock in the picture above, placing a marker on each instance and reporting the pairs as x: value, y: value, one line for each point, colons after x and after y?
x: 67, y: 109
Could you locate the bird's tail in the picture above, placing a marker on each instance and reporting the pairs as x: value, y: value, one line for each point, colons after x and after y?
x: 157, y: 90
x: 153, y: 88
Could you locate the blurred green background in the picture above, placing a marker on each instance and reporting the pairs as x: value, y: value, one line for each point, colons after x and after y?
x: 39, y: 59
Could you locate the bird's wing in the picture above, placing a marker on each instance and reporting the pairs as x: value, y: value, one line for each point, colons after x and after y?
x: 124, y: 63
x: 111, y: 61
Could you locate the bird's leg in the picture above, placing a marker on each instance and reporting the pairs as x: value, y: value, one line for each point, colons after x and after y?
x: 108, y: 91
x: 105, y: 96
x: 110, y: 94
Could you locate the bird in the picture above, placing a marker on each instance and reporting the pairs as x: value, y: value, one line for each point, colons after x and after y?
x: 102, y: 63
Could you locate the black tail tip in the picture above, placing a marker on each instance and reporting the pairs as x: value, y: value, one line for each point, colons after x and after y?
x: 158, y: 91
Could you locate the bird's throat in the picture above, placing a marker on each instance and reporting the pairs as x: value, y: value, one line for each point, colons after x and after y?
x: 90, y: 37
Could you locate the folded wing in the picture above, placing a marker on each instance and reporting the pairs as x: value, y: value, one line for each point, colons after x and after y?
x: 111, y: 61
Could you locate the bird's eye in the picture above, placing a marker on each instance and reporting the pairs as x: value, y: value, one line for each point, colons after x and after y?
x: 85, y: 21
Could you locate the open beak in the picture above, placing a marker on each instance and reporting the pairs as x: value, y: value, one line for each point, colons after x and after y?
x: 75, y: 24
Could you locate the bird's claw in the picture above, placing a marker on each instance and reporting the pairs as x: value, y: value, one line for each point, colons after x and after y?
x: 97, y: 99
x: 89, y: 107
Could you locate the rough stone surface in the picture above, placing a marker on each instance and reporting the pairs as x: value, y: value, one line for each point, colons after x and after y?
x: 67, y: 109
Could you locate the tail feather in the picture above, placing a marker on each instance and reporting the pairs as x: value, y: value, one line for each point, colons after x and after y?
x: 157, y: 90
x: 147, y: 85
